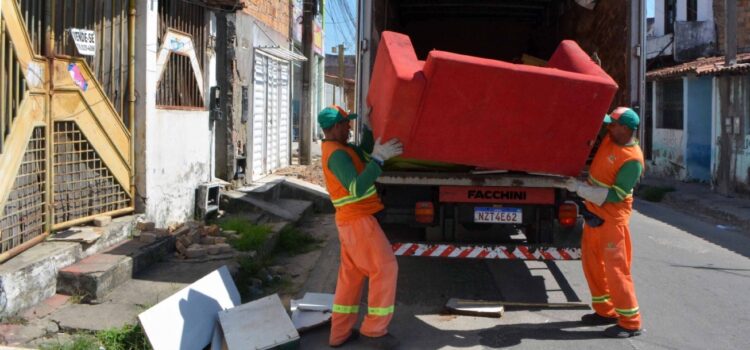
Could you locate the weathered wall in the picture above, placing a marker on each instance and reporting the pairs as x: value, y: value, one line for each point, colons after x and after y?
x: 731, y: 170
x: 273, y: 13
x: 604, y: 32
x: 693, y: 40
x: 178, y: 156
x: 239, y: 34
x: 743, y: 24
x: 172, y: 146
x: 698, y: 128
x: 668, y: 154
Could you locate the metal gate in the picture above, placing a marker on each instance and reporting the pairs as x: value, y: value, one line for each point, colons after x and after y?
x: 271, y: 115
x: 65, y: 150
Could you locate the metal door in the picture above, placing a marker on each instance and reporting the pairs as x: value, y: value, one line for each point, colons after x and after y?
x: 259, y: 116
x: 65, y: 150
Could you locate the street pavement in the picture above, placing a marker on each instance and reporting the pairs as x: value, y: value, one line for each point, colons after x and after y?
x: 692, y: 278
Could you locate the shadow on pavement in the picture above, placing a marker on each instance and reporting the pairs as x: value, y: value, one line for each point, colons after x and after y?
x: 732, y: 239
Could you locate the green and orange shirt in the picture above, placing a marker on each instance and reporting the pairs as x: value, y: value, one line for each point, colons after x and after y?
x: 617, y: 168
x: 350, y: 175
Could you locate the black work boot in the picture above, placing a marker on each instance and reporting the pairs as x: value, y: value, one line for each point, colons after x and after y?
x: 386, y: 342
x: 618, y: 332
x: 352, y: 337
x: 594, y: 319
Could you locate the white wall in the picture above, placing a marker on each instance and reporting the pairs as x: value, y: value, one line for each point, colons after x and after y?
x: 173, y: 147
x: 178, y: 154
x: 659, y: 17
x: 706, y: 10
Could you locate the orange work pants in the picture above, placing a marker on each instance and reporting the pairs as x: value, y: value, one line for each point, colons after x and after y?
x: 365, y: 253
x: 606, y: 255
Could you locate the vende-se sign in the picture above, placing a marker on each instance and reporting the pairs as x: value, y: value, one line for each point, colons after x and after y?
x: 85, y: 41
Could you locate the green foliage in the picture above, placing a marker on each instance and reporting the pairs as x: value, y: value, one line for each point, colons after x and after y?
x: 81, y: 342
x: 129, y: 337
x: 251, y: 236
x: 292, y: 241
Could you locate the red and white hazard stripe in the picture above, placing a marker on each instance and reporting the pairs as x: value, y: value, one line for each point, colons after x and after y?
x: 520, y: 252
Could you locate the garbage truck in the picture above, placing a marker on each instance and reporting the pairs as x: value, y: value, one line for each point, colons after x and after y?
x: 482, y: 210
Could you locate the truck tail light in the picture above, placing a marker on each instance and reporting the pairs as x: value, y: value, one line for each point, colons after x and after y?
x: 424, y: 212
x: 567, y: 214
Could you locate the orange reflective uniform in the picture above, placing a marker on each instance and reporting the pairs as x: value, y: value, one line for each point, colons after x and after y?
x: 606, y: 250
x: 365, y: 253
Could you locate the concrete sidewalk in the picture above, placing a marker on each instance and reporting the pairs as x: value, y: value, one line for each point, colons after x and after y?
x: 697, y: 199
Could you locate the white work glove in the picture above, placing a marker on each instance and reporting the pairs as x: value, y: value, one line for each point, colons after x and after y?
x: 572, y: 184
x: 594, y: 194
x: 385, y: 151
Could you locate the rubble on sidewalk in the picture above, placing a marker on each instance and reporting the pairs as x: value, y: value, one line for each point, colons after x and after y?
x: 195, y: 241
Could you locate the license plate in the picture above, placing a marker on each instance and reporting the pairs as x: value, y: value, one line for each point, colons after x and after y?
x: 498, y: 215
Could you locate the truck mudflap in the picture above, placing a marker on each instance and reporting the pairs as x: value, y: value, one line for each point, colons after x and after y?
x: 510, y: 252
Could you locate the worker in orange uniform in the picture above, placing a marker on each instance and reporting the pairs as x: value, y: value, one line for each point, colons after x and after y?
x: 350, y: 172
x: 606, y: 249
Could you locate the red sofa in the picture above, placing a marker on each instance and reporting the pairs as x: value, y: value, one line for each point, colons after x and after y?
x: 487, y: 113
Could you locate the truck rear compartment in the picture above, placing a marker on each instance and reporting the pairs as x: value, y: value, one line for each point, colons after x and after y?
x: 516, y: 31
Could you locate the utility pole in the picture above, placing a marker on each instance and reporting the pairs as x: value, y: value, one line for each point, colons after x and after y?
x: 341, y: 76
x: 305, y: 122
x: 730, y: 32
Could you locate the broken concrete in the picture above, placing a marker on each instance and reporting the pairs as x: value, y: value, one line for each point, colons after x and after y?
x: 101, y: 221
x: 95, y: 276
x: 84, y: 317
x: 299, y: 189
x: 284, y: 209
x: 31, y: 276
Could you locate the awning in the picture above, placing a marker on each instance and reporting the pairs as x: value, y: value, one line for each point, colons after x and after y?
x: 281, y: 53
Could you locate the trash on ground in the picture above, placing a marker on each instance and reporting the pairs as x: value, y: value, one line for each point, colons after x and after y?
x: 260, y: 324
x: 188, y: 318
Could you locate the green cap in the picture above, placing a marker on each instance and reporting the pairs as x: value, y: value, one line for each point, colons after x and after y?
x: 624, y: 116
x: 329, y: 116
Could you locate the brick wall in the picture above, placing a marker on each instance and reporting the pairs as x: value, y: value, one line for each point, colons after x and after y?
x: 273, y: 13
x: 743, y: 24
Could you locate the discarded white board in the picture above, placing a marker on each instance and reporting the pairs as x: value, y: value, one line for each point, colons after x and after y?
x: 475, y: 308
x: 186, y: 320
x: 306, y: 320
x: 81, y: 235
x: 316, y: 302
x: 260, y: 324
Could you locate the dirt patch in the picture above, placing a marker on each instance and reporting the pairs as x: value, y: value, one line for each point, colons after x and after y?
x: 312, y: 173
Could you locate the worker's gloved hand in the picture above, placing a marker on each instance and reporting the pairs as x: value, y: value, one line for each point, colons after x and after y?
x: 594, y: 194
x: 384, y: 151
x: 572, y: 184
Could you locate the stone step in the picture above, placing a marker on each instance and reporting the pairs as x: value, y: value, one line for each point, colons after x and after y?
x: 31, y: 277
x: 267, y: 189
x: 292, y: 210
x: 95, y: 276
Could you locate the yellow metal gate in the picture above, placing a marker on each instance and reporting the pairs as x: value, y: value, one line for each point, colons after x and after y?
x: 65, y: 149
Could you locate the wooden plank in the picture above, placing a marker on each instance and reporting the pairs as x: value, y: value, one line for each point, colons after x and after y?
x: 99, y: 104
x: 187, y: 319
x: 31, y: 113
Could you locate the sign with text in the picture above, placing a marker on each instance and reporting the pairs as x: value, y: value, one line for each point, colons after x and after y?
x: 85, y: 41
x: 519, y: 195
